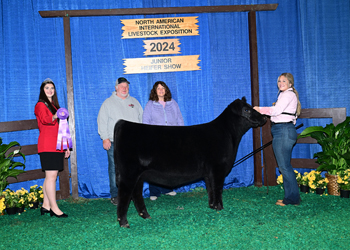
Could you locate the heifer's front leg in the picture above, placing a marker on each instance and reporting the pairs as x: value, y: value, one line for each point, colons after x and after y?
x: 139, y: 202
x: 124, y: 198
x: 216, y: 184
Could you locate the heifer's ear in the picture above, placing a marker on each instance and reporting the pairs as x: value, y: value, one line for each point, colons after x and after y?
x: 244, y: 100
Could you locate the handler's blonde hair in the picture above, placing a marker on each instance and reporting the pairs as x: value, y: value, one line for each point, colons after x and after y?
x: 290, y: 78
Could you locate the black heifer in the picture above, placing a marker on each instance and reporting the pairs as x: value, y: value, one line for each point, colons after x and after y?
x: 173, y: 156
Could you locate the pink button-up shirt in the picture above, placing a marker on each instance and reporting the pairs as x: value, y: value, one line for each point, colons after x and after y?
x: 287, y: 102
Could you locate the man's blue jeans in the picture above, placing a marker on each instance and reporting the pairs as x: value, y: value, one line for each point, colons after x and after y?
x: 111, y: 173
x: 284, y: 139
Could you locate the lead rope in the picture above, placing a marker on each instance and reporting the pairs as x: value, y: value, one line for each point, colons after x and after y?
x: 256, y: 151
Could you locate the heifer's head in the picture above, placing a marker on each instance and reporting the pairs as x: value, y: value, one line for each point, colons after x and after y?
x: 242, y: 108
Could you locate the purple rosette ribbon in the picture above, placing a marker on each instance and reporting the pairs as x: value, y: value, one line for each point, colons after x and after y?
x: 63, y: 130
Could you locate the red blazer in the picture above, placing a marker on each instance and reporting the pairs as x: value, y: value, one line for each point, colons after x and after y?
x: 48, y: 129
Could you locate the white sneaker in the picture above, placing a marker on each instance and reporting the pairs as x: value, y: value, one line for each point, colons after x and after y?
x: 153, y: 198
x: 172, y: 193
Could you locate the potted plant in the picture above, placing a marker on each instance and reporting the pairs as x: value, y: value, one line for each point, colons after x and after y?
x: 344, y: 183
x: 10, y: 201
x: 21, y: 200
x: 335, y: 154
x: 317, y: 182
x: 8, y: 165
x: 36, y: 196
x: 303, y: 181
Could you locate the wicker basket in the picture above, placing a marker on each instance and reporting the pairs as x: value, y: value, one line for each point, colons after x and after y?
x: 332, y: 186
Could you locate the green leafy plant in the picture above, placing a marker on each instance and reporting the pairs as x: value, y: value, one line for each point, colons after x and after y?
x: 8, y: 165
x: 335, y: 143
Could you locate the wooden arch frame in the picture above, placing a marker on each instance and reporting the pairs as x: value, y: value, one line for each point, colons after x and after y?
x: 251, y: 9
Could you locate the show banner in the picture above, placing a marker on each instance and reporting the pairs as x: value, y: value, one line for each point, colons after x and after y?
x: 160, y: 27
x: 161, y: 47
x: 161, y: 64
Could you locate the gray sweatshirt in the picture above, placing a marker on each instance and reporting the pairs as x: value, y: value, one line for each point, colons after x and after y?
x: 115, y: 108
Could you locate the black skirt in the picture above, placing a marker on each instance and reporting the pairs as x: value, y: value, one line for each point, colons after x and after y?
x: 51, y: 161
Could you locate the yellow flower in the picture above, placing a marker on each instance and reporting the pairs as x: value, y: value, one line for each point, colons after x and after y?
x: 2, y: 205
x: 280, y: 179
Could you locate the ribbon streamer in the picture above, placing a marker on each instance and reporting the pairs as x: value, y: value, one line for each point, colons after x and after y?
x: 63, y: 130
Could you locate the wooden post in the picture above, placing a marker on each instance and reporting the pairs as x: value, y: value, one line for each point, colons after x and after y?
x: 254, y: 75
x: 70, y: 98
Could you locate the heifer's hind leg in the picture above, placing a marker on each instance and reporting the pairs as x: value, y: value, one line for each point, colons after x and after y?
x: 209, y: 191
x: 139, y: 202
x: 124, y: 198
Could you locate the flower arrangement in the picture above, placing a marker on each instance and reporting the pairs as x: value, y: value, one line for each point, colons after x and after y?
x: 344, y: 179
x: 316, y: 180
x: 36, y: 194
x: 303, y: 179
x: 21, y: 198
x: 10, y: 198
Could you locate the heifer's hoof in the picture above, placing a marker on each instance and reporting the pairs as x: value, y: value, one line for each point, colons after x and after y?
x: 219, y: 207
x: 125, y: 225
x: 216, y: 207
x: 145, y: 215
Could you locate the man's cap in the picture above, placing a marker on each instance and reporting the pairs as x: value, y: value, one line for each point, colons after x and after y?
x: 121, y: 80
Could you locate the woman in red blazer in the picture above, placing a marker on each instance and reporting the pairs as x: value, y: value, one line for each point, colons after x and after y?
x: 50, y: 158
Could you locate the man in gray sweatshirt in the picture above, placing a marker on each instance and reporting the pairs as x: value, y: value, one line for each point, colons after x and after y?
x: 120, y: 105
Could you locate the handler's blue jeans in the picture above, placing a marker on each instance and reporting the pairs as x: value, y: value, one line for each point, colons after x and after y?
x: 284, y: 139
x: 111, y: 173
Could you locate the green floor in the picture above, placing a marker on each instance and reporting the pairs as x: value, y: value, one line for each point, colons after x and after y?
x: 250, y: 220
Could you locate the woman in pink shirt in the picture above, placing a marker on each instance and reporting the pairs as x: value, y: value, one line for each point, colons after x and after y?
x: 283, y: 117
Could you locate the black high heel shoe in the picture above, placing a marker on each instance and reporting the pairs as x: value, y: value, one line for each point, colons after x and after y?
x: 58, y: 216
x: 44, y: 211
